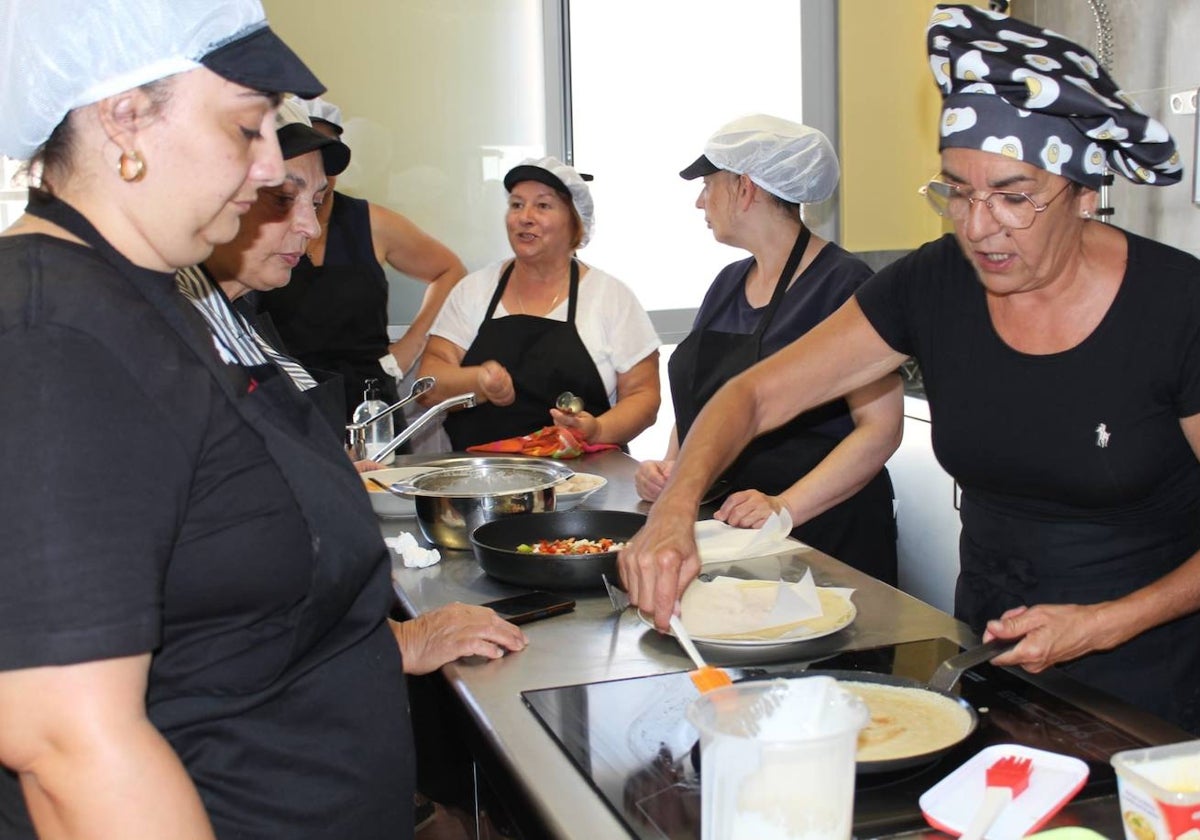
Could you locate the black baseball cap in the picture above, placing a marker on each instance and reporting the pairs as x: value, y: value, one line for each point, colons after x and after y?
x: 528, y: 172
x: 260, y: 60
x: 297, y: 137
x: 700, y: 167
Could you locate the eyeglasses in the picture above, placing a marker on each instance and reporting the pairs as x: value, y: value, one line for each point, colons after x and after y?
x: 1013, y: 210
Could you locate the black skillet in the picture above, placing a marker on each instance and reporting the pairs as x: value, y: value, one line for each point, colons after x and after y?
x: 495, y: 544
x: 942, y: 683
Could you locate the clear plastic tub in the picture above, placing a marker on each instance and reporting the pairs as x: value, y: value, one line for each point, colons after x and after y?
x: 777, y: 759
x: 1160, y: 791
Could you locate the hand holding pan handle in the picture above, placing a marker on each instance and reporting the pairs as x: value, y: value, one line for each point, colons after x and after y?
x: 947, y: 674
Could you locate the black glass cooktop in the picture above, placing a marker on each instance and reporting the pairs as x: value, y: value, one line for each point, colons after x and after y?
x: 632, y: 742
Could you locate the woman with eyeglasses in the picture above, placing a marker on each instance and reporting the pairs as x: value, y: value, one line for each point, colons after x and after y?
x: 1061, y: 359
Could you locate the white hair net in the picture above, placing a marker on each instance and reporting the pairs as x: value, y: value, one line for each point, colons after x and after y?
x: 60, y: 55
x: 554, y: 173
x: 319, y: 109
x: 787, y: 159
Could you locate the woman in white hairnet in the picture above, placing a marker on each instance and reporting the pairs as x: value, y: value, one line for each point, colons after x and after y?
x: 193, y: 634
x: 522, y: 331
x: 826, y: 466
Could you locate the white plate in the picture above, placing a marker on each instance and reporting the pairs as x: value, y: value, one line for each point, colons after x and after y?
x: 389, y: 504
x: 742, y: 645
x: 580, y: 486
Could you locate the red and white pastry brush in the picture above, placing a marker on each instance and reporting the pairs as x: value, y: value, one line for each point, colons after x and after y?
x: 1006, y: 779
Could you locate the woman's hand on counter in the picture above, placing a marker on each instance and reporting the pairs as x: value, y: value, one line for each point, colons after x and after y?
x: 650, y: 478
x: 439, y: 636
x: 748, y: 508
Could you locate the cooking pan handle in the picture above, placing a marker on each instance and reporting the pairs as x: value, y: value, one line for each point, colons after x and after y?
x: 947, y: 674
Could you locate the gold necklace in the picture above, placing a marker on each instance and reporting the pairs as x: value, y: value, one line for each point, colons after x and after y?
x: 525, y: 309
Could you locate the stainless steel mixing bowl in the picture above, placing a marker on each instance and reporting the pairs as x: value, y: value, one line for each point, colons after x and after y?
x: 452, y: 503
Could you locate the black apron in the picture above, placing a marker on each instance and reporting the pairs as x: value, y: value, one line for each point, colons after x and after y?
x: 328, y: 395
x: 342, y: 621
x: 860, y: 531
x: 544, y: 357
x: 333, y: 317
x: 1009, y: 560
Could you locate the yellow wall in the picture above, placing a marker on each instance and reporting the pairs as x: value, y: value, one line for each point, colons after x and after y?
x: 889, y: 114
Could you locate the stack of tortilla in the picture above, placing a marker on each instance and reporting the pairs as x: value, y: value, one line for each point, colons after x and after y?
x: 732, y: 609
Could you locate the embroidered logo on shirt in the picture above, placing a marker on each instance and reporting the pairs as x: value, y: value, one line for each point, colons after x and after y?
x: 1102, y: 436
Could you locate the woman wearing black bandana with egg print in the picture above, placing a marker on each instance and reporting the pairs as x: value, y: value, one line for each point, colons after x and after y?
x: 1061, y: 359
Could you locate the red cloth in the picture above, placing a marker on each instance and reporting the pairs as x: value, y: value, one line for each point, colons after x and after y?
x: 549, y: 442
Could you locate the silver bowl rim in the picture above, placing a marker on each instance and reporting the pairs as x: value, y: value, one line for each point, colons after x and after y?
x: 412, y: 488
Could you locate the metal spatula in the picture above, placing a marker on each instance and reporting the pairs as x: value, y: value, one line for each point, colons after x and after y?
x: 947, y: 674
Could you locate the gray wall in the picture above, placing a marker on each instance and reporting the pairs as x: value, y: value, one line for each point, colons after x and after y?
x: 1154, y: 54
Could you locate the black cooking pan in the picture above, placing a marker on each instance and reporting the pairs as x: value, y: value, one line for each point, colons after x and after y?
x: 495, y: 544
x: 941, y: 683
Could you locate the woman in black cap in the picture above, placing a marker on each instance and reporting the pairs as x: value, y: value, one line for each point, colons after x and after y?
x: 520, y: 332
x: 1061, y: 359
x: 824, y: 467
x: 333, y: 315
x: 193, y: 634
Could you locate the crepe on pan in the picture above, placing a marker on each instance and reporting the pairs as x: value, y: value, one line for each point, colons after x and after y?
x: 907, y: 721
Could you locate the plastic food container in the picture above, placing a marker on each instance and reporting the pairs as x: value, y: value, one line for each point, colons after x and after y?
x: 1160, y: 791
x: 778, y: 759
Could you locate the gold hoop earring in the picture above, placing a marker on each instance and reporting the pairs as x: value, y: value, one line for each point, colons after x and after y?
x: 131, y: 167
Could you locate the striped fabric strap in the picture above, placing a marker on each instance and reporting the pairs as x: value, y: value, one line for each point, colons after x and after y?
x: 235, y: 338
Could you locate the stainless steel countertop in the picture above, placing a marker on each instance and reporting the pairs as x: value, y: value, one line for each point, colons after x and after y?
x: 593, y: 643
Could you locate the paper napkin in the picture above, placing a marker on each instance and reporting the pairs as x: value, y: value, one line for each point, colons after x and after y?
x: 413, y: 555
x: 718, y: 542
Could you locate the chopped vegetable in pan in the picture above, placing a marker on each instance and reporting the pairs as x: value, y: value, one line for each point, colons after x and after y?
x: 571, y: 545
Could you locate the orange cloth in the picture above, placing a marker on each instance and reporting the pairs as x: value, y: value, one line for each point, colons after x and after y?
x: 549, y: 442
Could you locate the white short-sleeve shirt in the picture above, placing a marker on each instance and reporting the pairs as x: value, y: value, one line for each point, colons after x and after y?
x: 614, y: 327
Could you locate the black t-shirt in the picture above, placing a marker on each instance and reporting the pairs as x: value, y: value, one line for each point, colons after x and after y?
x: 826, y: 284
x: 144, y: 513
x: 1092, y: 432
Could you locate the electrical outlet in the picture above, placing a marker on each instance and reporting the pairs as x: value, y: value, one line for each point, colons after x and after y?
x: 1183, y: 102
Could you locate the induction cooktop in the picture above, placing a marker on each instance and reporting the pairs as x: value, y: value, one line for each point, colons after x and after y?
x: 631, y: 740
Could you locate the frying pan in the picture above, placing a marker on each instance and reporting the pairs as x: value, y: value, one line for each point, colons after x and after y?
x: 495, y: 544
x: 943, y: 680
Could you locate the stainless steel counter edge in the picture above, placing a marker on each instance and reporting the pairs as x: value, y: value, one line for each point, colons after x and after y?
x: 593, y: 644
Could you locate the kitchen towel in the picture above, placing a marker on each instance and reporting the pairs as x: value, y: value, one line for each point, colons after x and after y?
x: 548, y: 442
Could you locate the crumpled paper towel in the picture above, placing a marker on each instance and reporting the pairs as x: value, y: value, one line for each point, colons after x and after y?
x: 719, y: 542
x: 413, y: 555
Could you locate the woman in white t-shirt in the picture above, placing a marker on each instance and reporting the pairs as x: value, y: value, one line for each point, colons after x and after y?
x: 522, y: 331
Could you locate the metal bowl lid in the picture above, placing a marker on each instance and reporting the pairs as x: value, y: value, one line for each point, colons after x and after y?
x: 480, y: 481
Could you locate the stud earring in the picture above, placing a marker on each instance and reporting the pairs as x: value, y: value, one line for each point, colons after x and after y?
x: 1085, y: 214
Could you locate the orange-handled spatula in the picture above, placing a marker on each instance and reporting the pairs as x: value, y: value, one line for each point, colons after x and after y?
x: 705, y: 677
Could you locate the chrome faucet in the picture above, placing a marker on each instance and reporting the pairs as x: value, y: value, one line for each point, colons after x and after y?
x: 433, y: 413
x: 356, y: 433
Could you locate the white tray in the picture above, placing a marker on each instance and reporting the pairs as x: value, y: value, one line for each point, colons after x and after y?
x: 950, y: 804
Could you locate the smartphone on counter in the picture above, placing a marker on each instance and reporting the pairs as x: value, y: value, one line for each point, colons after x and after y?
x: 530, y: 606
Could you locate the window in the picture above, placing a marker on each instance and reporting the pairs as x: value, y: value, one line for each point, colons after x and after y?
x: 649, y: 83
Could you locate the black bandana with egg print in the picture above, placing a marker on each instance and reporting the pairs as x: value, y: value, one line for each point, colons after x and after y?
x: 1015, y: 89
